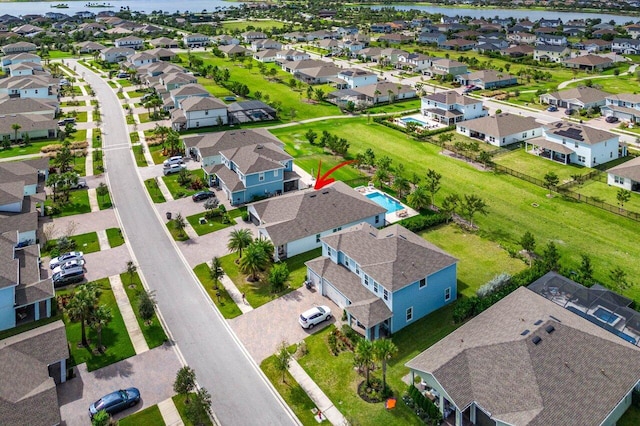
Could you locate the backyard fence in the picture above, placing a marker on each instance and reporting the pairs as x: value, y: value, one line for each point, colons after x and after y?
x: 502, y: 169
x: 600, y: 204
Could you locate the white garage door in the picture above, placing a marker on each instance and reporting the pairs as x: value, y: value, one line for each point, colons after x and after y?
x: 333, y: 294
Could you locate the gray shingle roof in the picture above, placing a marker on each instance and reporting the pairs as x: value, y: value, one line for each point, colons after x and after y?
x: 257, y: 158
x: 202, y: 103
x: 211, y: 144
x: 451, y: 97
x: 26, y: 105
x: 293, y: 216
x: 574, y: 376
x: 394, y: 256
x: 501, y: 125
x: 629, y: 169
x: 578, y: 132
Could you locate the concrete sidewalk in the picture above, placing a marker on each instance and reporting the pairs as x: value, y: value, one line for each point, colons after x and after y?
x: 324, y: 404
x: 130, y: 321
x: 170, y: 413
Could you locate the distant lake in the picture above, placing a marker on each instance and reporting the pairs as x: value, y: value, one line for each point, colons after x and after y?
x: 42, y: 7
x: 532, y: 15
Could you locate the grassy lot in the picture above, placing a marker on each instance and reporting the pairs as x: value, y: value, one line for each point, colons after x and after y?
x: 148, y: 416
x: 214, y: 224
x: 144, y: 117
x: 81, y: 117
x: 138, y: 153
x: 619, y: 84
x: 114, y: 235
x: 114, y: 335
x: 130, y: 119
x: 33, y: 148
x: 277, y: 91
x: 78, y: 135
x: 258, y: 293
x: 479, y: 259
x: 154, y: 190
x: 112, y: 84
x: 225, y: 304
x: 135, y: 137
x: 608, y: 194
x: 80, y: 165
x: 124, y: 82
x: 156, y: 154
x: 290, y: 390
x: 258, y: 25
x: 608, y: 239
x: 537, y: 167
x: 78, y: 203
x: 176, y: 189
x: 396, y: 107
x: 96, y: 138
x: 104, y: 202
x: 120, y: 95
x: 87, y: 243
x: 59, y: 54
x: 153, y: 332
x: 175, y: 233
x: 178, y: 400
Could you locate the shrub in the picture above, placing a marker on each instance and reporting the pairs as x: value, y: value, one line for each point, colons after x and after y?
x: 245, y: 216
x: 494, y: 284
x: 423, y: 221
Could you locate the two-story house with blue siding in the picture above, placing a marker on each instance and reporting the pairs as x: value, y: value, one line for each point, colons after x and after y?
x: 385, y: 279
x: 186, y: 91
x: 40, y: 86
x: 567, y: 142
x: 296, y: 222
x: 450, y: 107
x: 243, y: 163
x: 19, y: 58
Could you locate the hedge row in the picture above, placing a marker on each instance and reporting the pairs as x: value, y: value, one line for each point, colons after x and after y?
x: 423, y: 221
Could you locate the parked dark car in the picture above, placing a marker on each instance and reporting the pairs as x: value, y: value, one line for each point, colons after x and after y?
x: 569, y: 111
x: 64, y: 122
x: 611, y: 119
x: 202, y: 195
x: 115, y: 401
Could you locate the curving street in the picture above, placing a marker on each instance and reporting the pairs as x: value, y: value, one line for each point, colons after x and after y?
x: 241, y: 395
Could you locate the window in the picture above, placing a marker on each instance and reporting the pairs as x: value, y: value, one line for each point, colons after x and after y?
x: 385, y: 294
x: 492, y: 139
x: 377, y: 219
x: 410, y: 314
x: 346, y: 261
x: 206, y: 112
x: 618, y: 179
x: 447, y: 294
x: 564, y: 141
x: 423, y: 283
x: 261, y: 177
x: 275, y: 173
x: 375, y: 287
x: 575, y: 145
x: 357, y: 270
x: 366, y: 280
x: 463, y: 130
x: 197, y: 124
x: 329, y: 251
x: 317, y: 238
x: 524, y: 135
x: 581, y: 159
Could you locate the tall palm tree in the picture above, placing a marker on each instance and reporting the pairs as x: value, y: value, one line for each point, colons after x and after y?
x: 161, y: 131
x: 15, y: 127
x: 100, y: 317
x: 215, y: 271
x: 265, y: 245
x: 81, y: 305
x: 384, y: 350
x: 364, y: 356
x: 419, y: 199
x: 255, y: 259
x: 239, y: 239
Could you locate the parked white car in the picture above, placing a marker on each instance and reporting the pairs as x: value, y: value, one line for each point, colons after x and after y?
x: 174, y: 168
x: 70, y: 264
x: 73, y: 255
x: 173, y: 160
x: 316, y: 315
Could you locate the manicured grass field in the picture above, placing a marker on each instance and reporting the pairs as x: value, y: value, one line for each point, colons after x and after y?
x: 258, y: 25
x: 33, y: 148
x: 156, y: 154
x: 148, y: 416
x: 144, y: 117
x: 138, y: 153
x: 114, y: 235
x: 214, y: 224
x: 153, y: 332
x: 104, y: 202
x: 78, y: 135
x: 124, y: 82
x: 225, y: 304
x: 619, y: 84
x: 78, y: 203
x: 178, y: 400
x: 154, y: 191
x: 86, y: 243
x: 396, y: 107
x: 176, y: 189
x: 81, y: 117
x: 258, y: 293
x: 537, y: 167
x: 608, y: 194
x: 114, y: 335
x: 96, y: 136
x: 175, y: 233
x: 575, y: 227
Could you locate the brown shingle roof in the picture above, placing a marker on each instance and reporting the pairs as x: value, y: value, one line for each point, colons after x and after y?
x: 629, y: 169
x: 257, y: 158
x: 501, y: 125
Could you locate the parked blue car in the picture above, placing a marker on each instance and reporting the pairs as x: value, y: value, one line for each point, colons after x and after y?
x: 552, y: 108
x: 115, y: 401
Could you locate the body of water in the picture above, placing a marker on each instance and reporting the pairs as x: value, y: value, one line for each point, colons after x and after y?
x: 532, y: 15
x: 42, y: 7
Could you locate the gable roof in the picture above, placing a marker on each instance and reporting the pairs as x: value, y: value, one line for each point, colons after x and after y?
x: 576, y: 374
x: 293, y: 216
x: 257, y: 158
x: 211, y: 144
x: 629, y: 169
x: 451, y: 97
x: 589, y: 60
x: 393, y: 256
x: 190, y: 90
x: 501, y: 125
x: 584, y: 94
x: 577, y: 132
x: 201, y: 103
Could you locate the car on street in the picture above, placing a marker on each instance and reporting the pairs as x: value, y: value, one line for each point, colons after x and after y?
x: 552, y: 108
x: 68, y: 276
x: 176, y: 159
x: 75, y: 263
x: 174, y: 168
x: 611, y: 119
x: 316, y: 315
x: 65, y: 257
x: 202, y: 195
x: 115, y: 401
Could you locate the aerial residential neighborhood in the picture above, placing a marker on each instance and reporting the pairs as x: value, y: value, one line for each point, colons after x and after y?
x: 310, y: 212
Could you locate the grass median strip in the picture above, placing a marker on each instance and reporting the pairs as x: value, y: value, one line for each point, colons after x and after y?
x: 154, y: 190
x: 115, y: 237
x: 148, y: 416
x: 224, y: 303
x: 152, y: 330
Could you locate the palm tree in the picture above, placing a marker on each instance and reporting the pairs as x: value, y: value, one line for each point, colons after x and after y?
x: 419, y: 199
x: 131, y: 270
x: 161, y: 131
x: 623, y: 196
x: 266, y: 245
x: 54, y: 182
x: 401, y: 186
x: 384, y: 350
x: 215, y: 271
x: 100, y: 317
x: 81, y: 306
x: 473, y: 204
x: 179, y: 223
x: 15, y: 127
x: 364, y: 356
x: 239, y: 239
x: 433, y: 183
x: 255, y: 259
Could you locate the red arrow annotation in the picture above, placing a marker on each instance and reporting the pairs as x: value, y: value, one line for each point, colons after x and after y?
x: 324, y: 180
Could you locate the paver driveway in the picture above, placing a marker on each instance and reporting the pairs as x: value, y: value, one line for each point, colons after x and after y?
x: 153, y: 372
x: 263, y: 329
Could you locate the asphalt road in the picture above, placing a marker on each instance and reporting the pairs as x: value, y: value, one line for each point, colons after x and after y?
x: 241, y: 395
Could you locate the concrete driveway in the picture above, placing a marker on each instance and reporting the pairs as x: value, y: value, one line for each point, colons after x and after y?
x: 263, y: 329
x: 152, y: 372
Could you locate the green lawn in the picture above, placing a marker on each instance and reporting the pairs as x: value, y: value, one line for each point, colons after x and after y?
x: 631, y: 417
x: 153, y: 332
x: 479, y: 260
x: 33, y: 148
x: 149, y: 416
x: 609, y: 240
x: 115, y: 237
x: 81, y: 117
x: 156, y: 154
x: 135, y: 137
x: 114, y: 335
x: 177, y: 190
x: 608, y: 194
x: 177, y: 235
x: 178, y: 400
x: 144, y: 117
x: 59, y: 54
x: 104, y: 202
x: 214, y: 224
x: 619, y: 84
x: 396, y: 107
x: 87, y: 243
x: 225, y: 304
x: 124, y: 82
x: 258, y: 293
x: 138, y: 153
x: 277, y: 91
x: 78, y: 203
x: 154, y: 190
x: 112, y: 84
x: 537, y: 167
x: 96, y: 138
x: 79, y: 135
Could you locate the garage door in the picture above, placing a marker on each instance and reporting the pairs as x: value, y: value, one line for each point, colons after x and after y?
x: 333, y: 294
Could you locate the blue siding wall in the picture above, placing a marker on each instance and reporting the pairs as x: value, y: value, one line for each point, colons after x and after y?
x: 263, y: 189
x: 254, y: 179
x: 425, y: 300
x: 7, y: 311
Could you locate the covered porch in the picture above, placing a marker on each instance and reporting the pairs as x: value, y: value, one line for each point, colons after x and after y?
x: 446, y: 117
x: 33, y: 301
x: 371, y: 318
x: 550, y: 150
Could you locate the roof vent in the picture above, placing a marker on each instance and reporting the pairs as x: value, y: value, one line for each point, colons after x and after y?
x: 537, y: 322
x: 554, y: 318
x: 312, y: 196
x: 325, y: 192
x: 259, y: 146
x: 402, y: 236
x: 524, y: 333
x: 550, y: 329
x: 536, y: 339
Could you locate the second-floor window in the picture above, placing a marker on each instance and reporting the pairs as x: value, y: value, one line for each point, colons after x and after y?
x: 317, y: 238
x: 375, y: 287
x: 423, y: 283
x: 275, y: 172
x: 385, y: 294
x: 261, y: 177
x: 206, y: 112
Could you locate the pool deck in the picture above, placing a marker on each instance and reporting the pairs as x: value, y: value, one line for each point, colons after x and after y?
x: 428, y: 124
x: 396, y: 216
